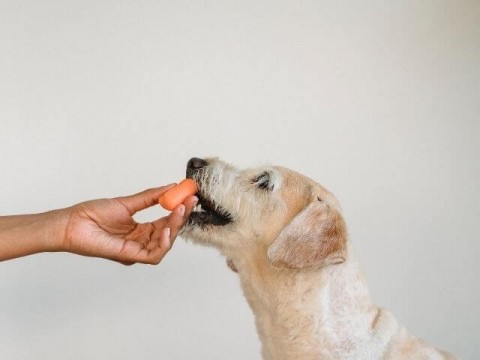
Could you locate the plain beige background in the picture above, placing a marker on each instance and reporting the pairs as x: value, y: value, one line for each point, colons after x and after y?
x: 378, y: 100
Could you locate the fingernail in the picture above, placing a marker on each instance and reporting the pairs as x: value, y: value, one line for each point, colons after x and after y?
x: 181, y: 209
x: 169, y: 241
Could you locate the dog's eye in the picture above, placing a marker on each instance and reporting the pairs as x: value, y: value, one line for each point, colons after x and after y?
x: 262, y: 181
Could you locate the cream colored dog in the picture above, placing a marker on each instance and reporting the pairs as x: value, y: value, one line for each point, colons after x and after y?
x: 284, y: 235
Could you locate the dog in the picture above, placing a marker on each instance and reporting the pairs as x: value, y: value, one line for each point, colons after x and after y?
x: 285, y: 236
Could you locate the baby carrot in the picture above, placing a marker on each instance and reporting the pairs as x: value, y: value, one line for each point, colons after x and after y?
x: 177, y: 195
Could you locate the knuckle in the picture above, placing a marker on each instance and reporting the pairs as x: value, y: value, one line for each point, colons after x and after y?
x: 155, y: 261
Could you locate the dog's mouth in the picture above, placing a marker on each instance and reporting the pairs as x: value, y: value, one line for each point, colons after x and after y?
x: 206, y: 212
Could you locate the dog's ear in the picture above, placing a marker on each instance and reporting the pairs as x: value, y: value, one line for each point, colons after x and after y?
x: 315, y: 237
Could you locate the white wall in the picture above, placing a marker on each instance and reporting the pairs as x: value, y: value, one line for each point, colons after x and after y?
x: 379, y: 101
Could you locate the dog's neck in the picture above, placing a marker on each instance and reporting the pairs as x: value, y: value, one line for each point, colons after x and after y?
x: 318, y: 311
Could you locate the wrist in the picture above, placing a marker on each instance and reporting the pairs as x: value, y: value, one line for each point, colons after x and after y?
x: 55, y: 226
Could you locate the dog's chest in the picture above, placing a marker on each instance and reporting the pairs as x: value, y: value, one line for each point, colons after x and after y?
x: 286, y: 312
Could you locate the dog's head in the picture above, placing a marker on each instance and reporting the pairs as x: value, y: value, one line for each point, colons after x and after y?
x: 286, y: 217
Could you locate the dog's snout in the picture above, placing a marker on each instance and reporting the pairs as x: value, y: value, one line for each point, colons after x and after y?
x: 195, y: 164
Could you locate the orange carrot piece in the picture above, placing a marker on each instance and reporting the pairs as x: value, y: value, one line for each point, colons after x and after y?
x: 177, y: 195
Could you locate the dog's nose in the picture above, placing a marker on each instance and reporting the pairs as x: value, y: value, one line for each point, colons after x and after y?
x: 196, y: 163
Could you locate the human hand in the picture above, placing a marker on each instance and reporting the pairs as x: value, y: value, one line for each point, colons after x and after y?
x: 105, y: 228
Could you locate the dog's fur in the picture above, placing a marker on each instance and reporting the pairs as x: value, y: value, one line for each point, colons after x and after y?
x: 285, y: 236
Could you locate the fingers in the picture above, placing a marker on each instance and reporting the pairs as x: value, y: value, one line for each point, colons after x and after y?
x: 133, y: 252
x: 162, y: 238
x: 176, y: 219
x: 155, y: 255
x: 190, y: 203
x: 180, y: 215
x: 144, y: 199
x: 126, y: 263
x: 166, y: 230
x: 165, y: 239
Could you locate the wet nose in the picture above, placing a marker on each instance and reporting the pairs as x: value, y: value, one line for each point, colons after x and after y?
x: 196, y: 163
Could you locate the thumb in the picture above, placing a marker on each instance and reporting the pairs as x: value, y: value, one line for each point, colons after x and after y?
x: 144, y: 199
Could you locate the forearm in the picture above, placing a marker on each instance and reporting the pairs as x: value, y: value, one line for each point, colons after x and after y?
x: 22, y: 235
